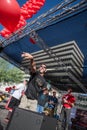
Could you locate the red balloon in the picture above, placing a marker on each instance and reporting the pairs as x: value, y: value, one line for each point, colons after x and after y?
x: 31, y: 12
x: 36, y: 7
x: 40, y: 3
x: 12, y: 17
x: 31, y: 6
x: 24, y: 12
x: 9, y: 14
x: 2, y: 33
x: 5, y: 33
x: 28, y: 16
x: 32, y: 41
x: 22, y: 22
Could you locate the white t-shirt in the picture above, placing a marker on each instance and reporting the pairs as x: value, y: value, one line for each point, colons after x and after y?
x: 19, y: 90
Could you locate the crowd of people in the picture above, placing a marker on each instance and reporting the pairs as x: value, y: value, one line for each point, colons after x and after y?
x: 35, y: 95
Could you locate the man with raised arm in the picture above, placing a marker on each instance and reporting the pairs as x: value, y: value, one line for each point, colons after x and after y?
x: 37, y: 82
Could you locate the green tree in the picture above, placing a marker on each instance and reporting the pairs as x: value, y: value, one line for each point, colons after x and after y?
x: 9, y: 73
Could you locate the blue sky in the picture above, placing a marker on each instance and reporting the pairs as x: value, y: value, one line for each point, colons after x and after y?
x: 48, y: 5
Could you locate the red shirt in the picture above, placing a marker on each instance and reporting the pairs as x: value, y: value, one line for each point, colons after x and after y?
x: 70, y: 100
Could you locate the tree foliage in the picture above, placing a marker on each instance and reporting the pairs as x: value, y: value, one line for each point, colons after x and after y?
x: 9, y: 73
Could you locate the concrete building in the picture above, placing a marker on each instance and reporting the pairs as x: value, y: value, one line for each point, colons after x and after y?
x: 64, y: 64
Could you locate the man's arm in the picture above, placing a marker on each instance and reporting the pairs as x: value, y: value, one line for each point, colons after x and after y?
x: 32, y: 63
x: 68, y: 102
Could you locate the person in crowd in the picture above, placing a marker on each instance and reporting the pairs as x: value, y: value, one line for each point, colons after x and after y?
x: 15, y: 98
x: 52, y: 103
x: 68, y: 101
x: 58, y: 108
x: 36, y: 83
x: 42, y: 100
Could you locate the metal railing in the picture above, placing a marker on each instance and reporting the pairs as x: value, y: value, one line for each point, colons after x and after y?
x: 59, y: 12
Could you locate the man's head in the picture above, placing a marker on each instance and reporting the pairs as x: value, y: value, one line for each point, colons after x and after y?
x: 42, y: 69
x: 69, y: 90
x: 54, y: 93
x: 45, y: 91
x: 25, y: 82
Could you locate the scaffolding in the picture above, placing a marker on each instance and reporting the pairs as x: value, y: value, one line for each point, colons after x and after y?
x: 61, y: 11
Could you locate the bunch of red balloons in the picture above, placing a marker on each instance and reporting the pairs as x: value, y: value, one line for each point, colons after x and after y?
x: 13, y: 17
